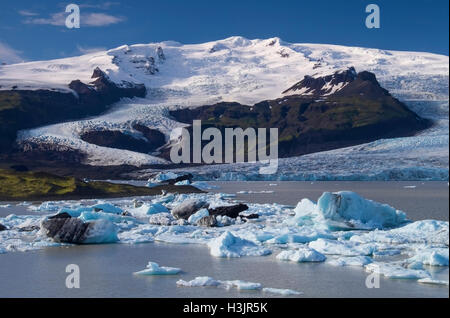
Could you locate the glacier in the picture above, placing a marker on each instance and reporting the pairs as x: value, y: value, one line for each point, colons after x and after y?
x: 249, y: 71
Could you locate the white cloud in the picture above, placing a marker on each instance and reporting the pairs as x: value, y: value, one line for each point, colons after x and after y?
x: 28, y: 13
x: 103, y: 5
x: 87, y: 20
x: 8, y: 55
x: 99, y: 19
x: 88, y: 50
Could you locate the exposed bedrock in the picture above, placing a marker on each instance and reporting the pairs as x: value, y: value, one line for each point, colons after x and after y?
x: 25, y: 109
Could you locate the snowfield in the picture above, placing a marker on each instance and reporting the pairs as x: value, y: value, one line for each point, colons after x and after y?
x: 249, y: 71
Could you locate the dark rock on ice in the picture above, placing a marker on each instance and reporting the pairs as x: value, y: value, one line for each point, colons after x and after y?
x: 208, y: 221
x: 230, y: 211
x: 187, y: 208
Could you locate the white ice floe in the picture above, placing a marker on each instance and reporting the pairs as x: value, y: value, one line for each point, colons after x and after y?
x: 148, y: 209
x: 350, y: 261
x: 345, y: 248
x: 206, y: 281
x: 229, y: 245
x: 301, y: 254
x: 431, y: 256
x: 424, y: 232
x: 283, y: 292
x: 433, y: 281
x: 396, y: 271
x: 203, y: 281
x: 155, y: 269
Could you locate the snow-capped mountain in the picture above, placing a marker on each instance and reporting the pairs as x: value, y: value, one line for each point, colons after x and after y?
x: 233, y: 70
x: 323, y: 85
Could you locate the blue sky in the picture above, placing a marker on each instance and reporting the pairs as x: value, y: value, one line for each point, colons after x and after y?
x: 32, y: 30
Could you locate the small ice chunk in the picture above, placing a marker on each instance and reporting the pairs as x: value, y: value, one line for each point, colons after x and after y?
x: 241, y: 285
x: 184, y: 182
x: 302, y: 254
x: 148, y: 209
x: 45, y: 207
x: 351, y: 261
x: 229, y: 245
x: 161, y: 177
x: 396, y: 271
x: 203, y: 281
x: 197, y: 216
x: 433, y: 281
x: 431, y: 256
x: 283, y: 292
x: 107, y: 208
x: 206, y: 281
x: 155, y: 269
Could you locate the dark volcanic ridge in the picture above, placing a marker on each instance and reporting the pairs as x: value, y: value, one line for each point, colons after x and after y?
x: 316, y: 114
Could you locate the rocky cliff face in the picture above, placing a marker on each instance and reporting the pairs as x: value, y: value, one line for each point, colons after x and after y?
x: 359, y: 111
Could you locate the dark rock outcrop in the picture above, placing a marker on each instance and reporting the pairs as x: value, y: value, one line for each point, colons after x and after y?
x: 26, y: 109
x: 187, y: 208
x: 230, y: 211
x: 359, y: 111
x: 323, y: 85
x: 121, y: 140
x: 63, y: 215
x: 207, y: 221
x: 2, y: 227
x: 250, y: 216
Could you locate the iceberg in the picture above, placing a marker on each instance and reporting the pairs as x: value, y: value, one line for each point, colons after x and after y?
x: 229, y: 245
x: 90, y: 216
x: 148, y: 209
x: 349, y: 206
x: 302, y: 254
x: 155, y: 269
x: 431, y: 257
x: 347, y: 210
x: 101, y: 232
x: 197, y: 216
